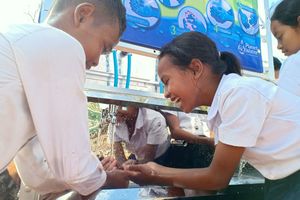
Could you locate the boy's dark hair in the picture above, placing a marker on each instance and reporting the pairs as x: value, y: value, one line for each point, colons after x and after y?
x: 287, y: 12
x: 192, y: 45
x: 110, y: 10
x: 277, y: 64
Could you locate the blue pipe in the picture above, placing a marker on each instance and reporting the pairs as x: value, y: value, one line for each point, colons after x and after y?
x: 128, y: 70
x: 116, y: 71
x: 161, y: 87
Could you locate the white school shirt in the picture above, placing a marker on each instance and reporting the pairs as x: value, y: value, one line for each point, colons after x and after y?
x: 34, y: 170
x: 42, y: 78
x: 150, y: 128
x: 265, y: 119
x: 289, y: 76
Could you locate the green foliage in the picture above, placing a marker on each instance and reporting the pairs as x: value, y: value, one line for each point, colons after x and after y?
x: 94, y: 114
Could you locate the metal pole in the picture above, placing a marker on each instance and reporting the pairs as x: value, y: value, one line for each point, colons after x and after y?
x: 116, y: 72
x: 128, y: 70
x: 271, y: 74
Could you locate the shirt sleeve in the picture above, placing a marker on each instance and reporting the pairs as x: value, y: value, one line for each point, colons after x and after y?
x: 118, y: 130
x: 289, y: 76
x: 242, y: 112
x: 52, y: 69
x: 171, y: 112
x: 156, y: 131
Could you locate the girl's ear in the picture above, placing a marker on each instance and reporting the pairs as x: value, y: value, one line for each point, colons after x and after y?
x: 197, y: 67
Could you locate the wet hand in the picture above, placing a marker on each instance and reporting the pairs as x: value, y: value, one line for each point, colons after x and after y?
x: 129, y: 162
x: 143, y: 174
x: 109, y: 163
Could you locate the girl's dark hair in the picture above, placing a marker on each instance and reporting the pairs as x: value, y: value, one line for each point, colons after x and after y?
x: 287, y: 12
x: 191, y: 45
x: 232, y: 63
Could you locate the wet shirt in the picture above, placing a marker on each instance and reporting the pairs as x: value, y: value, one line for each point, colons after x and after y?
x: 263, y: 118
x: 42, y: 74
x: 150, y: 128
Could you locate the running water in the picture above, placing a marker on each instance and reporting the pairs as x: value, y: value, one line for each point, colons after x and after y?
x: 241, y: 166
x: 111, y: 131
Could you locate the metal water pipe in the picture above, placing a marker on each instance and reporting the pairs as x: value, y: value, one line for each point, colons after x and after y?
x: 128, y: 70
x: 116, y: 71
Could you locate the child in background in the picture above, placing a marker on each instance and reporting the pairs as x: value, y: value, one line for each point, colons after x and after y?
x: 277, y: 66
x: 199, y: 148
x: 144, y: 133
x: 285, y: 26
x: 250, y: 117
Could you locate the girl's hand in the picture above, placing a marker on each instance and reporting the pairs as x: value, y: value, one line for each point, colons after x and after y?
x: 129, y: 162
x: 143, y: 174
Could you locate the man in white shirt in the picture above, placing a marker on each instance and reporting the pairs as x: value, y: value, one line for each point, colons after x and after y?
x: 42, y: 78
x: 144, y: 133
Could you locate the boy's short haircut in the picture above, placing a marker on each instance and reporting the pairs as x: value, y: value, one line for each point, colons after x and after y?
x: 109, y: 10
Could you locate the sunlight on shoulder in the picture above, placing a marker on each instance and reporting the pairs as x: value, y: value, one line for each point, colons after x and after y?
x: 18, y: 11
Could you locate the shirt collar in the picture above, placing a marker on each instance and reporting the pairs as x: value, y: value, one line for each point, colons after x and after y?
x: 213, y: 110
x: 140, y: 120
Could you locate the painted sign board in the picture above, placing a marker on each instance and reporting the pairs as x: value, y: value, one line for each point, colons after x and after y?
x: 232, y: 24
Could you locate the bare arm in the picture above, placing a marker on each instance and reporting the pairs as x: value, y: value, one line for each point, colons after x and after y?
x: 119, y: 153
x: 115, y: 179
x: 180, y: 134
x: 149, y: 152
x: 216, y: 176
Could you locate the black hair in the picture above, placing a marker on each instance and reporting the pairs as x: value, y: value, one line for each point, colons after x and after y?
x: 191, y: 45
x: 123, y: 54
x: 110, y: 9
x: 277, y: 63
x: 287, y: 12
x: 232, y: 63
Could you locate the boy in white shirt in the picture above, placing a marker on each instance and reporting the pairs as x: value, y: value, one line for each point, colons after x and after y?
x: 42, y: 78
